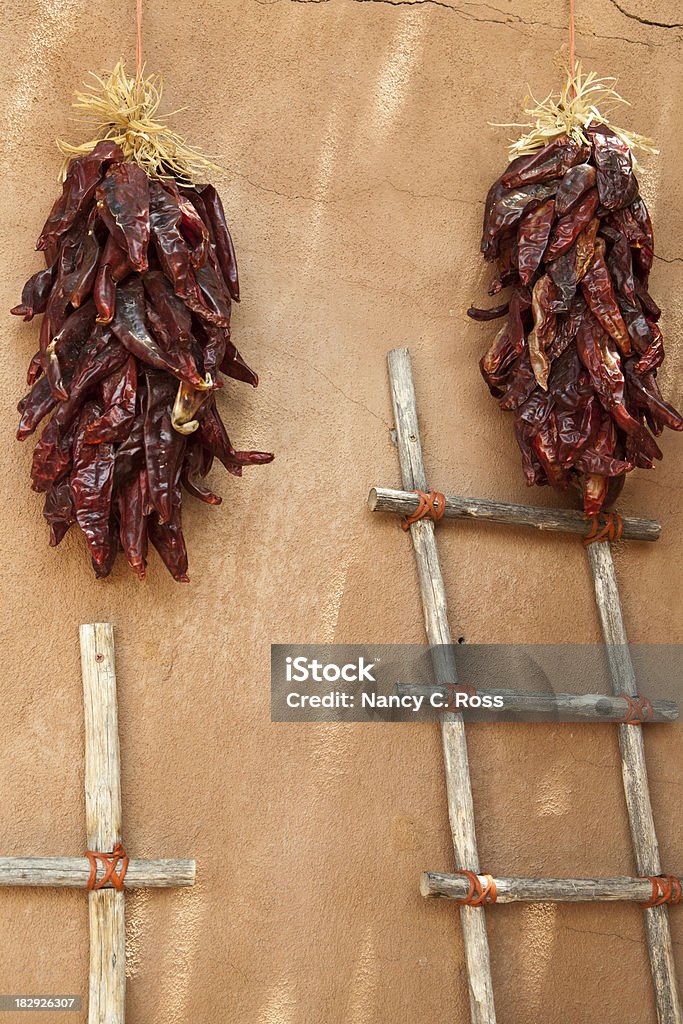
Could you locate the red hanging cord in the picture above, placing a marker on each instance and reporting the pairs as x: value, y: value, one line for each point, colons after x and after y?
x: 572, y: 46
x: 138, y: 44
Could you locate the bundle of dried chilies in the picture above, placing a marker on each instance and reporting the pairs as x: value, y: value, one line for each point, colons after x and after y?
x: 135, y: 296
x: 577, y: 358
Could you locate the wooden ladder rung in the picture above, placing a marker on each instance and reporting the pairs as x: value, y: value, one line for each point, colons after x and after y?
x: 436, y: 885
x: 482, y: 510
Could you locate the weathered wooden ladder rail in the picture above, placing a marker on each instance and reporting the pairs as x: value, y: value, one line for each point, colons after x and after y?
x: 474, y: 885
x: 108, y: 875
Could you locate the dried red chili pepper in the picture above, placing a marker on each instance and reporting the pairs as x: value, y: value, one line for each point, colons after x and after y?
x: 599, y: 294
x: 574, y: 185
x: 653, y: 357
x: 505, y: 207
x: 563, y: 273
x: 644, y: 249
x: 132, y: 510
x: 620, y: 265
x: 644, y: 393
x: 164, y: 446
x: 550, y: 162
x: 568, y: 228
x: 119, y: 392
x: 532, y: 238
x: 520, y: 383
x: 123, y: 205
x: 81, y: 181
x: 169, y: 541
x: 192, y: 227
x: 506, y: 261
x: 75, y: 331
x: 35, y: 294
x: 193, y: 465
x: 616, y: 183
x: 213, y: 436
x: 496, y: 362
x: 488, y: 314
x: 172, y: 312
x: 214, y: 295
x: 113, y: 267
x: 545, y: 327
x: 130, y: 328
x: 134, y: 340
x: 207, y: 199
x: 234, y: 366
x: 567, y: 224
x: 53, y: 455
x: 91, y: 482
x: 585, y: 248
x: 59, y: 511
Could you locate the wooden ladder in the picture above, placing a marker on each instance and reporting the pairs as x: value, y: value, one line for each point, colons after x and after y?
x: 472, y: 886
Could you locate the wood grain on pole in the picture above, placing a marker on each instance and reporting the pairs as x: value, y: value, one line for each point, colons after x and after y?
x: 73, y: 872
x: 459, y: 791
x: 103, y: 821
x: 437, y: 885
x: 579, y: 707
x: 636, y: 790
x: 386, y: 499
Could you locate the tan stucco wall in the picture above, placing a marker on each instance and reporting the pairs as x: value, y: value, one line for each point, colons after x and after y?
x: 357, y: 154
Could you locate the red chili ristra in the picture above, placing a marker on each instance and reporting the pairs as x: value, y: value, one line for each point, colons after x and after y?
x: 578, y: 363
x: 135, y: 296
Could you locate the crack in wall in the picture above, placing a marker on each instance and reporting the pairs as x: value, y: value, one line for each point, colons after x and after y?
x: 333, y: 384
x: 508, y: 19
x: 336, y: 200
x: 433, y: 195
x: 645, y: 21
x: 613, y: 935
x: 671, y: 259
x: 505, y: 19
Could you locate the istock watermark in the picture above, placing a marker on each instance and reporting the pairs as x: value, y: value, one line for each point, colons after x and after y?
x: 303, y: 669
x: 481, y: 682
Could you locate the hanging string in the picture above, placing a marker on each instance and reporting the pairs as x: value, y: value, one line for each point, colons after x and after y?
x: 572, y: 46
x: 138, y: 44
